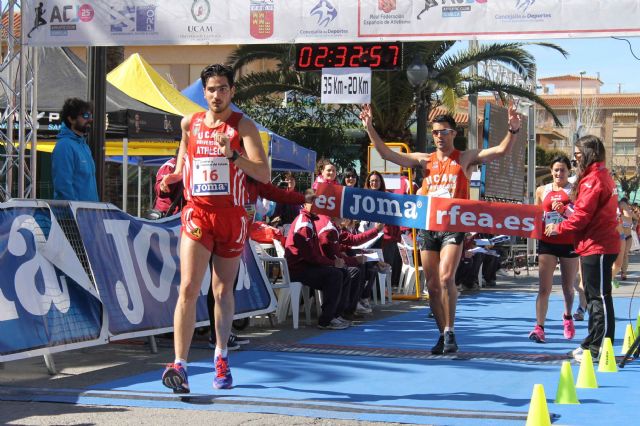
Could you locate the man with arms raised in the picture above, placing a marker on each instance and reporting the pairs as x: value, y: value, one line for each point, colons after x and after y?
x: 219, y: 148
x: 447, y: 173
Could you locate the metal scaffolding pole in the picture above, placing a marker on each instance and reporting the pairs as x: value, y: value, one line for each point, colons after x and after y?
x: 19, y: 113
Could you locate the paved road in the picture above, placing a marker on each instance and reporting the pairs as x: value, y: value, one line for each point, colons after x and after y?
x: 83, y: 368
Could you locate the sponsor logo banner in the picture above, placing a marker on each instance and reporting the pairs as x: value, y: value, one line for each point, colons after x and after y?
x: 374, y: 206
x: 154, y: 22
x: 47, y: 301
x: 77, y: 274
x: 136, y: 267
x: 450, y: 214
x: 431, y: 213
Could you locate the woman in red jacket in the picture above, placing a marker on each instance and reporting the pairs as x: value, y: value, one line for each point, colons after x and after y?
x: 593, y: 224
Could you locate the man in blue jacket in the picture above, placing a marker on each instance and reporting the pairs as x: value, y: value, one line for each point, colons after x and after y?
x: 72, y: 167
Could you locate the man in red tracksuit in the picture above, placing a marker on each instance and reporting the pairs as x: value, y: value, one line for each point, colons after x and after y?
x: 331, y: 246
x: 308, y: 266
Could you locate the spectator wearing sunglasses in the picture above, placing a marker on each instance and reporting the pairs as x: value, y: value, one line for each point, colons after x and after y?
x: 350, y: 177
x: 73, y: 170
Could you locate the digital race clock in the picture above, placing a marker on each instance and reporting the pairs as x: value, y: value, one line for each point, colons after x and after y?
x: 377, y: 56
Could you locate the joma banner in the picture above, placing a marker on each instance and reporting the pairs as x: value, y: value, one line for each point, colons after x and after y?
x: 432, y: 213
x: 374, y: 206
x: 77, y: 274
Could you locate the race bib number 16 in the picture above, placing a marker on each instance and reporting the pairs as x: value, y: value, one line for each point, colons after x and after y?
x: 210, y: 176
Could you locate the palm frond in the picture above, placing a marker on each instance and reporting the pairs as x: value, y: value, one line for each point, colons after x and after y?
x: 244, y: 55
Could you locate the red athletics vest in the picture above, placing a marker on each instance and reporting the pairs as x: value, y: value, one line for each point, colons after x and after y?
x: 210, y: 179
x: 445, y: 175
x: 548, y: 197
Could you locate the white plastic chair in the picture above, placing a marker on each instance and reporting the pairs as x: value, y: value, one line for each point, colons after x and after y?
x: 289, y: 291
x: 383, y: 281
x: 305, y: 289
x: 408, y: 275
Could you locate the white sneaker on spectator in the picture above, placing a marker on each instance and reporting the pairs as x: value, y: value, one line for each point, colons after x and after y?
x: 335, y: 324
x: 365, y: 303
x: 362, y: 310
x: 339, y: 318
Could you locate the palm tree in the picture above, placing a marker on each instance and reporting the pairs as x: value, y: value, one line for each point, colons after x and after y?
x: 392, y: 96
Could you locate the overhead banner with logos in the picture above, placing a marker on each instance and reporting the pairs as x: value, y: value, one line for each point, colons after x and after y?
x: 81, y: 274
x: 431, y: 213
x: 155, y: 22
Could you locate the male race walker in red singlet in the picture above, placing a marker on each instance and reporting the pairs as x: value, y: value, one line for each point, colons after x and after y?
x: 219, y: 148
x: 447, y: 173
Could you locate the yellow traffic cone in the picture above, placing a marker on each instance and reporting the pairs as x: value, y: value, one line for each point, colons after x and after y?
x: 538, y: 411
x: 629, y: 337
x: 566, y: 392
x: 607, y: 362
x: 586, y: 374
x: 638, y: 325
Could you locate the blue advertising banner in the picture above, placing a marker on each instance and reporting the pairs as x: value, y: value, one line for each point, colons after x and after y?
x: 47, y: 302
x: 80, y: 274
x: 374, y: 206
x: 136, y: 268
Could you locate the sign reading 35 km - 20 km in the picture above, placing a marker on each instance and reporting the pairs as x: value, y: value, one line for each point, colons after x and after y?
x: 345, y: 86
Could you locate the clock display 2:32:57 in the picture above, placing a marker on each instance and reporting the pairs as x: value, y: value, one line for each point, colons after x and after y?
x: 379, y: 56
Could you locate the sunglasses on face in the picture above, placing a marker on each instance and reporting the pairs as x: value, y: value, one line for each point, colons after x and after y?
x: 86, y: 115
x: 349, y: 177
x: 442, y: 132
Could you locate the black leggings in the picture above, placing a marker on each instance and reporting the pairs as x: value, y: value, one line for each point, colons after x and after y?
x: 596, y: 277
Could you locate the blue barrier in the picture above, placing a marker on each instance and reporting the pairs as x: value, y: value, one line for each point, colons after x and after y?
x: 80, y: 274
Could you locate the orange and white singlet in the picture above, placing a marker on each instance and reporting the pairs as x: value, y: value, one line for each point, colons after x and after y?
x: 445, y: 178
x: 210, y: 179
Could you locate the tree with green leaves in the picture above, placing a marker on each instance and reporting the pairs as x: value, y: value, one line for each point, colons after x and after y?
x: 393, y: 98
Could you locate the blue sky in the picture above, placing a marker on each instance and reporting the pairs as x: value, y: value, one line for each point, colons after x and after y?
x: 610, y: 57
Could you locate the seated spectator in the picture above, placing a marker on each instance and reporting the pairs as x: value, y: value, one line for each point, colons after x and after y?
x: 171, y: 201
x: 348, y: 238
x: 308, y: 266
x: 287, y: 212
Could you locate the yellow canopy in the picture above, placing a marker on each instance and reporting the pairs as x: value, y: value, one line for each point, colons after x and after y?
x: 138, y: 79
x: 114, y: 147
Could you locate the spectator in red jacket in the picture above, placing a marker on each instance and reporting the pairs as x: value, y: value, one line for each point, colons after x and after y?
x: 593, y: 224
x: 392, y: 233
x: 164, y: 200
x: 332, y: 243
x: 308, y: 266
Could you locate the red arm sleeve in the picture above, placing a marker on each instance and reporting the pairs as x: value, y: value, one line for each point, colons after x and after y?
x: 349, y: 239
x: 273, y: 193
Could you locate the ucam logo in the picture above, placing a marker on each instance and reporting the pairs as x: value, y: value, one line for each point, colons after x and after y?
x: 450, y: 214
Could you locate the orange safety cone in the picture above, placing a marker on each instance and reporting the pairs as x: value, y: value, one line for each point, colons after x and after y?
x: 538, y: 410
x: 607, y: 362
x: 586, y: 374
x: 566, y: 392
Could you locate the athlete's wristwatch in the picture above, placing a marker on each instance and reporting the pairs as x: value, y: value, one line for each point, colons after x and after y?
x: 514, y: 131
x: 234, y: 156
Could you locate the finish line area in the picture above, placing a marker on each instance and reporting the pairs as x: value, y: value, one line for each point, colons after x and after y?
x: 380, y: 369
